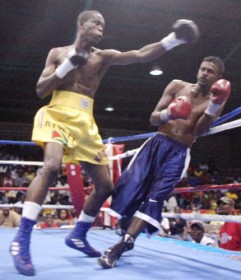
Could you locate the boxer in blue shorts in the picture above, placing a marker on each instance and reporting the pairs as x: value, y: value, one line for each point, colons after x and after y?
x: 72, y: 75
x: 184, y: 112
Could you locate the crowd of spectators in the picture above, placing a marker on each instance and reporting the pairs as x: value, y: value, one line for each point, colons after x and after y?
x: 20, y: 176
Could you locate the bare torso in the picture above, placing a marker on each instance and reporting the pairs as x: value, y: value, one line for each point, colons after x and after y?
x: 85, y: 79
x: 180, y: 130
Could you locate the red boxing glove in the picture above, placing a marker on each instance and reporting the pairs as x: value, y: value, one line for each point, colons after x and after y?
x: 180, y: 108
x: 220, y: 92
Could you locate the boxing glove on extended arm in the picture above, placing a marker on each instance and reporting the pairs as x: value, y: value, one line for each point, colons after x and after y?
x: 72, y: 61
x: 180, y: 108
x: 220, y: 92
x: 185, y: 31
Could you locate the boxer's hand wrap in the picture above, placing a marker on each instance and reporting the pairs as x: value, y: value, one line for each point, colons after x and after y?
x: 72, y: 61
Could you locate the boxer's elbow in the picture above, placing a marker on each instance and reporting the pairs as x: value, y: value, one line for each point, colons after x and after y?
x: 40, y: 92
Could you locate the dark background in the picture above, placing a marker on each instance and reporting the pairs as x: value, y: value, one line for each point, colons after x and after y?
x: 29, y: 29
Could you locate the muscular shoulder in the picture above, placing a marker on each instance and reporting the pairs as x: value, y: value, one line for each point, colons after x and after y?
x: 179, y: 84
x: 57, y: 54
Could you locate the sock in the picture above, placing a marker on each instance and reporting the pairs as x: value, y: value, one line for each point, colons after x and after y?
x: 31, y: 210
x: 85, y: 218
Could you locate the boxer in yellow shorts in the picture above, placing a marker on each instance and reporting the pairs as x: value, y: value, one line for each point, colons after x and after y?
x: 66, y: 128
x: 68, y: 120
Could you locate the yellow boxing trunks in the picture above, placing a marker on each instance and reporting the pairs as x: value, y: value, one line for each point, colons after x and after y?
x: 68, y: 120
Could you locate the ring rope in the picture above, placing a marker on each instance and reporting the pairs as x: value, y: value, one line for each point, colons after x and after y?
x: 226, y: 117
x: 213, y: 130
x: 44, y: 206
x: 176, y: 190
x: 21, y: 162
x: 223, y: 127
x: 26, y: 188
x: 207, y: 188
x: 204, y: 217
x: 185, y: 216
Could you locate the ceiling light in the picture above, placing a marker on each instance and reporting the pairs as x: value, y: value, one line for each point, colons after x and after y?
x: 109, y: 109
x: 155, y: 71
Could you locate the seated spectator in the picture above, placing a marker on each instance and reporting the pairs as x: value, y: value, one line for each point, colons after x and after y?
x: 64, y: 218
x: 178, y: 227
x: 165, y: 227
x: 3, y: 198
x: 48, y: 222
x: 213, y: 228
x: 197, y: 200
x: 10, y: 194
x: 9, y: 218
x: 197, y: 233
x: 171, y: 203
x: 238, y: 200
x: 30, y: 173
x: 20, y: 198
x: 62, y: 183
x: 230, y: 232
x: 232, y: 194
x: 7, y: 179
x: 21, y: 179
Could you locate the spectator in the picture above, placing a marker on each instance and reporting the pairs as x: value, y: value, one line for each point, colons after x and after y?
x: 7, y: 179
x: 171, y: 203
x: 230, y: 233
x: 30, y: 173
x: 64, y: 218
x: 165, y: 227
x: 197, y: 233
x: 178, y: 227
x: 3, y: 198
x: 48, y: 223
x: 197, y: 200
x: 21, y: 179
x: 9, y: 218
x: 232, y: 194
x: 20, y: 198
x: 62, y: 183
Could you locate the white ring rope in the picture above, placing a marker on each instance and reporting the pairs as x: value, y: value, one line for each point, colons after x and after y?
x: 185, y: 216
x: 204, y: 217
x: 44, y: 206
x: 223, y: 127
x: 21, y: 162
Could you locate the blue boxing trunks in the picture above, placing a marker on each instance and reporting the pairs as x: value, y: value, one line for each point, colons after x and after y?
x: 150, y: 177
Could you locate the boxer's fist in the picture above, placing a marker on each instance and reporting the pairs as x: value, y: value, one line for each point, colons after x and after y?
x: 77, y: 59
x: 220, y: 91
x: 180, y: 108
x: 72, y: 61
x: 186, y: 30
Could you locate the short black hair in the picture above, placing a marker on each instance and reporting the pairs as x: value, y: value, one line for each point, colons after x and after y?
x: 217, y: 61
x: 198, y: 225
x: 85, y: 15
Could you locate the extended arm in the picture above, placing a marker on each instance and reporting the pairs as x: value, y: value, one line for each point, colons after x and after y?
x: 184, y: 31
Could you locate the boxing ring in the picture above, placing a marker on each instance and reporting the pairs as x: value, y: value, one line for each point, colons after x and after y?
x: 154, y: 258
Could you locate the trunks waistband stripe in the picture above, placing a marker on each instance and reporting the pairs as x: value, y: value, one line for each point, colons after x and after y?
x: 72, y: 99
